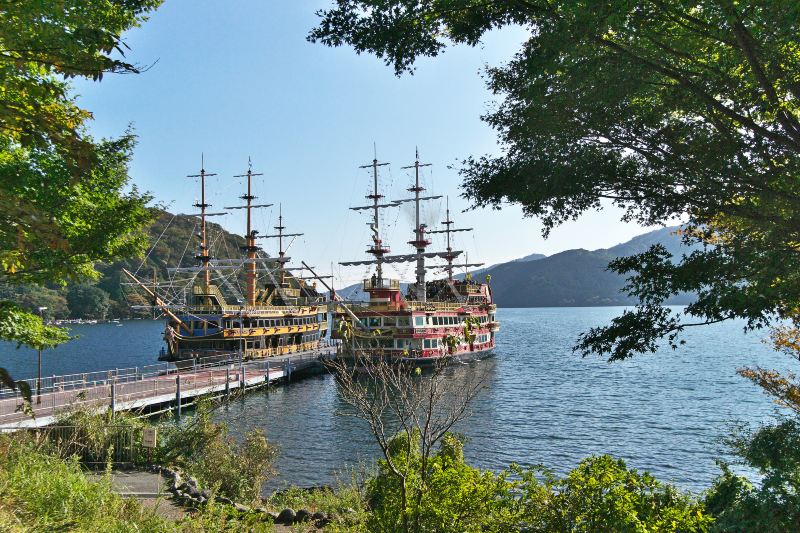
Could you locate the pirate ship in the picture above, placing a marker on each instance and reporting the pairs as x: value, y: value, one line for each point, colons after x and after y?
x: 435, y: 319
x: 279, y: 312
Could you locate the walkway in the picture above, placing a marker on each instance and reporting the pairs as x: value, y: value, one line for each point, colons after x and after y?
x: 134, y: 388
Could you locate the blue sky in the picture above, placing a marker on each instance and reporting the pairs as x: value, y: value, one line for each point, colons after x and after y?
x: 233, y: 79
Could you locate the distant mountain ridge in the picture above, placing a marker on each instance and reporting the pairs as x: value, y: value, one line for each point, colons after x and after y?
x: 571, y: 278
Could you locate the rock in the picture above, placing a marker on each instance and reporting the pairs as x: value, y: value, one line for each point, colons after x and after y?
x: 241, y: 508
x: 191, y: 481
x: 287, y: 516
x: 349, y: 511
x: 192, y: 491
x: 302, y: 516
x: 319, y: 515
x: 205, y: 494
x: 261, y: 510
x: 224, y: 500
x: 273, y: 515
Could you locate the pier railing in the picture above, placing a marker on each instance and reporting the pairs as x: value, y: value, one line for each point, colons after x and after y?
x: 140, y: 387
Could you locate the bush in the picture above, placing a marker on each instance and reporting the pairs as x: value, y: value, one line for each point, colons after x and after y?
x: 774, y: 503
x: 600, y: 495
x: 205, y: 450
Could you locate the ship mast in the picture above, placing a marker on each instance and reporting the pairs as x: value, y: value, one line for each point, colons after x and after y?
x: 250, y: 247
x: 450, y: 254
x: 377, y: 249
x: 419, y: 242
x: 282, y: 259
x: 203, y: 255
x: 447, y: 223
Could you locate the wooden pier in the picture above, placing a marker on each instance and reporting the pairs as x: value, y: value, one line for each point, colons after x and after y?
x: 149, y: 387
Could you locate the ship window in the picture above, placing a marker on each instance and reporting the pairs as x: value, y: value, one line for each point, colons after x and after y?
x: 374, y: 321
x: 236, y: 324
x: 403, y: 321
x: 389, y: 321
x: 427, y: 343
x: 419, y: 321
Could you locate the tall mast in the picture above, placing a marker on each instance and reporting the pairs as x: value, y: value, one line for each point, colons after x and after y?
x: 280, y: 227
x: 377, y: 249
x: 250, y: 237
x: 447, y: 222
x: 419, y: 241
x: 282, y: 259
x: 203, y: 256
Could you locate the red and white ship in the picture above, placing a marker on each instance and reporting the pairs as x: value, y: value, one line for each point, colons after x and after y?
x: 441, y: 318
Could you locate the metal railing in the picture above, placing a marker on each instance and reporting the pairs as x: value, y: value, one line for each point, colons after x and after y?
x: 125, y: 389
x: 381, y: 284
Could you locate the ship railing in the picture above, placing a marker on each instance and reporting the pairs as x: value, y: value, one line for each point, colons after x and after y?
x: 251, y: 310
x: 392, y: 284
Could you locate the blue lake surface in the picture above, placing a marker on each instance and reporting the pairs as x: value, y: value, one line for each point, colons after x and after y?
x: 665, y: 413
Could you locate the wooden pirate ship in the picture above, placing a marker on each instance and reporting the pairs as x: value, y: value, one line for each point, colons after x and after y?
x: 279, y: 313
x: 441, y: 318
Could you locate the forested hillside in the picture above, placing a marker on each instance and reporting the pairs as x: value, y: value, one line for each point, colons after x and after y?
x: 175, y: 245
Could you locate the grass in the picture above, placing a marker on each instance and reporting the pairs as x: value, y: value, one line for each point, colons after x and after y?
x: 344, y: 504
x: 40, y: 491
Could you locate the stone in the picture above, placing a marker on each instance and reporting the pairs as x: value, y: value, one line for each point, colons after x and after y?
x: 205, y: 494
x: 287, y: 516
x: 302, y: 516
x: 191, y: 481
x: 274, y: 516
x: 241, y: 508
x: 224, y: 500
x: 349, y: 510
x: 319, y: 515
x: 261, y: 510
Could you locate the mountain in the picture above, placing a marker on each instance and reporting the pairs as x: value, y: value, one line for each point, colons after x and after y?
x: 531, y: 257
x: 570, y: 278
x: 578, y: 277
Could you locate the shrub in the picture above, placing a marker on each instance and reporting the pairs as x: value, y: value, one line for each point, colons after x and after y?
x: 601, y: 495
x: 205, y: 450
x: 774, y: 503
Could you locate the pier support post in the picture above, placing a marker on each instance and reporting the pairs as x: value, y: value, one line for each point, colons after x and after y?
x: 113, y: 397
x: 227, y: 382
x: 178, y: 395
x: 244, y: 378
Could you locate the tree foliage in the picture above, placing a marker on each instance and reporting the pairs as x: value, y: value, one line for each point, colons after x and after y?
x: 774, y: 503
x: 666, y: 108
x: 65, y: 197
x: 88, y: 301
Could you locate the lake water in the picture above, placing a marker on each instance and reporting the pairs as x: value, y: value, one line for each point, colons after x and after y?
x: 665, y: 413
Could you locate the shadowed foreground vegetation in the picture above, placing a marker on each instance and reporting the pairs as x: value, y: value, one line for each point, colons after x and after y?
x: 45, y: 487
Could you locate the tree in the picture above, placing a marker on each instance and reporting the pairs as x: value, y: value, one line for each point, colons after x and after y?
x: 409, y: 414
x: 666, y: 108
x: 87, y: 301
x: 66, y: 202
